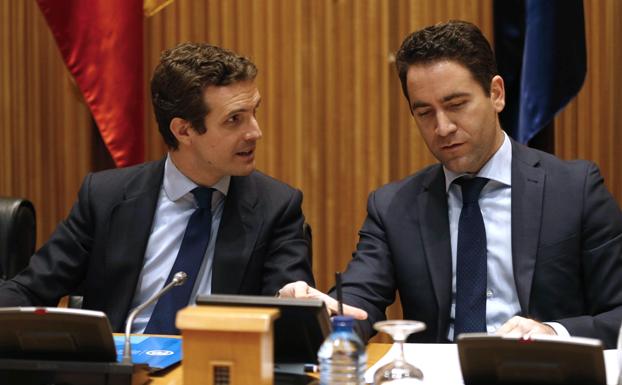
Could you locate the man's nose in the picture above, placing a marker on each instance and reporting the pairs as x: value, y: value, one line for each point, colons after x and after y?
x: 254, y: 133
x: 444, y: 125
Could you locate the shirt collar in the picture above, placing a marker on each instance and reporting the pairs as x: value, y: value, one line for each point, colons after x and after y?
x: 176, y: 184
x: 498, y: 168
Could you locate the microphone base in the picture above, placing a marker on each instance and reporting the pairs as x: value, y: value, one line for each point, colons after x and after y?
x: 37, y: 372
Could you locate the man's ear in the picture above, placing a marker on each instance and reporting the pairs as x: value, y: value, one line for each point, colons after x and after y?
x: 497, y: 93
x: 181, y: 129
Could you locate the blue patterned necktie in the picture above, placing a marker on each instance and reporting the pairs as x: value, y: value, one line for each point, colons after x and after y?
x: 189, y: 259
x: 471, y: 267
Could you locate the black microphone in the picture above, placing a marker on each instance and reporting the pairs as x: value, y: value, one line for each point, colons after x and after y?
x: 178, y: 279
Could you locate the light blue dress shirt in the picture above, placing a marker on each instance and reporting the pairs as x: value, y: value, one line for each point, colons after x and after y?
x: 174, y: 208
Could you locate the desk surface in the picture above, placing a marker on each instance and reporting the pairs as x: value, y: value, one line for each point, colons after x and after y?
x: 174, y: 376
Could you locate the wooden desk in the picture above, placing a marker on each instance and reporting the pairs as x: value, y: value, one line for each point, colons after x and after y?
x: 175, y: 377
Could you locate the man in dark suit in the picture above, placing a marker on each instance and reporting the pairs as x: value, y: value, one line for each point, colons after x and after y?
x: 541, y: 253
x: 125, y: 234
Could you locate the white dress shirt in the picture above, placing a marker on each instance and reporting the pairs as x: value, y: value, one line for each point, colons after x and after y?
x: 174, y: 208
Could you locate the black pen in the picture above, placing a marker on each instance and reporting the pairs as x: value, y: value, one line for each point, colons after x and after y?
x: 339, y: 294
x: 311, y: 368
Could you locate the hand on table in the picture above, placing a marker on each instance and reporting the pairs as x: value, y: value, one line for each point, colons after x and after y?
x: 524, y: 327
x: 301, y: 289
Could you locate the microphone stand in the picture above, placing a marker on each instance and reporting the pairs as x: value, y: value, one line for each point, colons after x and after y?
x: 178, y: 279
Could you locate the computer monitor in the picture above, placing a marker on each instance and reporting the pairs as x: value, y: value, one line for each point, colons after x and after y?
x: 299, y: 331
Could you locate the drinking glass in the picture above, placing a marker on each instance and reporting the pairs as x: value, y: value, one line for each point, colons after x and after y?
x: 398, y: 371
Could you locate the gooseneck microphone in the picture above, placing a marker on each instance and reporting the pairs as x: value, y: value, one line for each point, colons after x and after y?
x: 178, y: 279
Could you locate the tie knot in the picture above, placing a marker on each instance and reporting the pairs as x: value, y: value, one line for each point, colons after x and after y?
x: 203, y: 195
x: 471, y: 187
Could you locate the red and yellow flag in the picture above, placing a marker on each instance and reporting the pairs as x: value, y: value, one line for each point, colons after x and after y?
x: 101, y: 42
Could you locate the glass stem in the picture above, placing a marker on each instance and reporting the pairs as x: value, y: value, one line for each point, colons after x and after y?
x: 401, y: 356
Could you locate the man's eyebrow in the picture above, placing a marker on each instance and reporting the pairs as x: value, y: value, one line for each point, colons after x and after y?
x: 419, y: 105
x: 445, y: 99
x: 236, y: 111
x: 243, y: 109
x: 455, y: 95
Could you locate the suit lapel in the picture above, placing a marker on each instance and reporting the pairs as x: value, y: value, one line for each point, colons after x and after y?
x: 237, y: 234
x: 434, y: 224
x: 129, y: 229
x: 527, y: 194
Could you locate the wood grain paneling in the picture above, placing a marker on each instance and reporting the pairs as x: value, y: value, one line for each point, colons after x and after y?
x: 588, y: 127
x: 45, y: 128
x: 334, y: 120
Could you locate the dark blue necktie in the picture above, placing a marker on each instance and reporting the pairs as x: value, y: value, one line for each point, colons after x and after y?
x: 189, y: 259
x: 471, y: 267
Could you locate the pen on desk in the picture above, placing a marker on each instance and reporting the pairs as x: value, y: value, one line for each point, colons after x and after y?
x: 311, y: 368
x: 339, y: 294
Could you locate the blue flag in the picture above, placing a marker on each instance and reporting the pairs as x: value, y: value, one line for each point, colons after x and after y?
x: 553, y: 63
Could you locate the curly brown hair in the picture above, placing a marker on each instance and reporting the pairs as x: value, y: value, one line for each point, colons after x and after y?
x: 182, y: 75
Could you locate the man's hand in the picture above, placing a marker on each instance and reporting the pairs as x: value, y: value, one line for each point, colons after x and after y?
x: 300, y: 289
x: 524, y: 327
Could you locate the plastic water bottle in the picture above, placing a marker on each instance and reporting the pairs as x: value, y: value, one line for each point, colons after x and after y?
x: 342, y: 356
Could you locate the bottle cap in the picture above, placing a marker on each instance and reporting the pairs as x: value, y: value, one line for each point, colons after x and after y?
x: 342, y: 322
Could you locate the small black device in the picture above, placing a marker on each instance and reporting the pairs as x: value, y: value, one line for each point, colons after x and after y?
x: 490, y: 359
x: 56, y: 345
x: 299, y: 331
x: 55, y: 334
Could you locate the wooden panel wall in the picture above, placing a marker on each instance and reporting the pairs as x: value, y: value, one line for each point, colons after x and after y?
x: 589, y: 127
x: 45, y: 129
x: 335, y: 122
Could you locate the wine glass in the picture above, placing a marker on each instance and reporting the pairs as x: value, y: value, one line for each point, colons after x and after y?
x: 398, y: 371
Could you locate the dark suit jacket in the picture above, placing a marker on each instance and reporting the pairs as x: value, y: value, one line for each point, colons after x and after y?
x: 566, y: 249
x: 100, y: 247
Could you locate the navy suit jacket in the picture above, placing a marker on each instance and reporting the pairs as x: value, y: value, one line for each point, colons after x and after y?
x: 100, y: 247
x: 566, y: 249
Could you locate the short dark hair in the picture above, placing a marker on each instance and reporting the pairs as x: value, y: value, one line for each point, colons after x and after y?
x: 455, y: 40
x: 182, y: 75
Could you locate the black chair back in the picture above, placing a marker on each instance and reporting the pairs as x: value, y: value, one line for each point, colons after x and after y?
x: 18, y: 234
